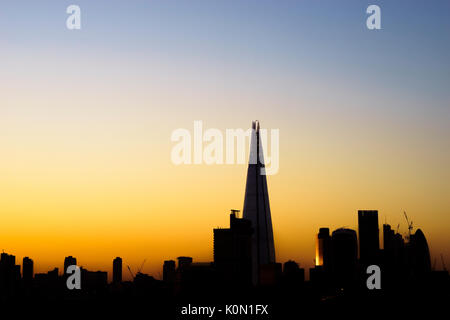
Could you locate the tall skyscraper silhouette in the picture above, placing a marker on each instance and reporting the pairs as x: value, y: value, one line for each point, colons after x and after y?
x: 419, y: 254
x: 117, y: 270
x: 9, y: 275
x: 257, y: 207
x: 323, y: 249
x: 27, y: 270
x: 169, y: 271
x: 369, y: 243
x: 345, y: 256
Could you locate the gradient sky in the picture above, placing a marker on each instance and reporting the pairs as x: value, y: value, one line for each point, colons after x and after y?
x: 86, y: 118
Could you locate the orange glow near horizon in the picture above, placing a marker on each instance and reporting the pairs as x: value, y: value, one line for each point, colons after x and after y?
x: 101, y: 197
x: 86, y: 120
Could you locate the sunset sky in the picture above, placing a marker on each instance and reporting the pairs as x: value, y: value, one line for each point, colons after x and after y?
x: 86, y: 118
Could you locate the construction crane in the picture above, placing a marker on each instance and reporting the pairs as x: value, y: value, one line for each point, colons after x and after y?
x: 410, y: 225
x: 443, y: 263
x: 142, y: 265
x: 129, y: 269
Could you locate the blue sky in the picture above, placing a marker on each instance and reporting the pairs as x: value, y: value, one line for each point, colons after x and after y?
x: 313, y: 38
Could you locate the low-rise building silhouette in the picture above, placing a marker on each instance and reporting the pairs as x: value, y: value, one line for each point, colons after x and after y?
x: 69, y: 261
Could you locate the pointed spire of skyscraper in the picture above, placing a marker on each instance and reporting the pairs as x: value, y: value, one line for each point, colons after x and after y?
x: 257, y: 207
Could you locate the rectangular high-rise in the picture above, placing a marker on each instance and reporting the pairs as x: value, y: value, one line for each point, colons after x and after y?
x: 369, y: 243
x: 27, y: 270
x: 169, y: 271
x: 323, y: 249
x: 233, y: 251
x: 117, y: 270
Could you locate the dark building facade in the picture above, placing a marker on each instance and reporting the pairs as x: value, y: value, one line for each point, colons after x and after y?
x: 9, y: 275
x: 184, y: 262
x: 169, y: 271
x: 293, y: 275
x: 69, y: 261
x: 323, y: 249
x: 233, y: 251
x: 345, y: 257
x: 257, y: 207
x: 27, y: 270
x: 393, y: 248
x: 369, y: 243
x: 117, y: 270
x: 419, y: 255
x: 93, y: 281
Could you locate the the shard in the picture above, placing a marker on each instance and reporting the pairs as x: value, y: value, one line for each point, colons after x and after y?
x: 257, y: 207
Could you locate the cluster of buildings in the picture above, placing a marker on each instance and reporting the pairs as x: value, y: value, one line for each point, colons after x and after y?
x: 14, y: 283
x: 244, y: 256
x: 337, y: 263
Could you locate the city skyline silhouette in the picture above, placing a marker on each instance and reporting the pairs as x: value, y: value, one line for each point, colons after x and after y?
x: 244, y: 267
x: 86, y: 124
x: 127, y: 156
x: 256, y: 185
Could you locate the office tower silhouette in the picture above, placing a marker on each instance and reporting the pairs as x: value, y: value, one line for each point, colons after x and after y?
x: 68, y: 261
x: 369, y: 244
x: 393, y: 247
x: 117, y: 270
x: 323, y: 249
x: 9, y: 275
x: 233, y: 251
x: 345, y: 257
x: 184, y: 262
x: 27, y: 270
x: 169, y: 271
x: 394, y: 257
x: 257, y: 207
x: 419, y: 254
